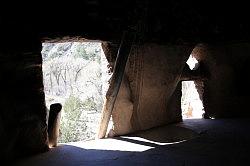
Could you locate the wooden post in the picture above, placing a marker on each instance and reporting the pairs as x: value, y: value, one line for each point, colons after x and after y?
x: 54, y: 123
x: 118, y: 72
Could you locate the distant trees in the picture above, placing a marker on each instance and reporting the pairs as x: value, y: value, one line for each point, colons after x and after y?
x: 73, y: 75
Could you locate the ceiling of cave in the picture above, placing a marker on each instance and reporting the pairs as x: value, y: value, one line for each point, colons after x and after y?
x: 153, y: 20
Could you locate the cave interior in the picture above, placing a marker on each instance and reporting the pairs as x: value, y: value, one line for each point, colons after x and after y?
x: 147, y: 44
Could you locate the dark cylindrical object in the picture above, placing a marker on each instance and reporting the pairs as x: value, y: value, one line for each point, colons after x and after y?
x: 54, y: 123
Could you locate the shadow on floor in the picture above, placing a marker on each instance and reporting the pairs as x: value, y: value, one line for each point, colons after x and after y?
x: 225, y: 142
x: 167, y: 134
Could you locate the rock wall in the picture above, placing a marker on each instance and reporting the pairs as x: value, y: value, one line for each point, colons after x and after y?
x: 150, y: 93
x: 226, y: 92
x: 149, y: 96
x: 23, y: 113
x: 152, y: 75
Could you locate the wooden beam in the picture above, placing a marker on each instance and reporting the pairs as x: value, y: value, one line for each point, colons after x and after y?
x: 54, y: 123
x: 118, y: 72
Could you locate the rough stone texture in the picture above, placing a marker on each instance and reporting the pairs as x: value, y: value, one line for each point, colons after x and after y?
x: 199, y: 85
x: 175, y: 20
x: 226, y: 89
x: 110, y: 50
x: 23, y: 24
x: 123, y: 109
x: 150, y: 87
x: 23, y: 113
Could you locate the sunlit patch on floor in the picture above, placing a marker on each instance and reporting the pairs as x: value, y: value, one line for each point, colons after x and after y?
x: 140, y: 141
x: 110, y: 144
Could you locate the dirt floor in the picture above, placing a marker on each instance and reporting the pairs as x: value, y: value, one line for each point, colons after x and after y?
x: 192, y: 142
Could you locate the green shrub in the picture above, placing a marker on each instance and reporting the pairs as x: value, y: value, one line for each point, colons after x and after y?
x: 73, y: 121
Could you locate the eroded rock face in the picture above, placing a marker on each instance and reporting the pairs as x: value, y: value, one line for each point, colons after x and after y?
x: 23, y: 112
x: 123, y: 109
x: 149, y: 95
x: 225, y: 90
x: 153, y: 73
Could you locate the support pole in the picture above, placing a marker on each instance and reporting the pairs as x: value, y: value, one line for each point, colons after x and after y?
x: 54, y: 123
x: 118, y: 72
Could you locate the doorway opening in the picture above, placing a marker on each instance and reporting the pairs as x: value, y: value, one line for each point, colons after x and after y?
x: 76, y: 75
x: 192, y: 94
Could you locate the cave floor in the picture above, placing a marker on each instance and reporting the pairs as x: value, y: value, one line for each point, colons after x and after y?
x: 191, y: 142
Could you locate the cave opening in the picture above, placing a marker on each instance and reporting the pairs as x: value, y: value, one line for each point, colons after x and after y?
x: 76, y: 75
x: 192, y: 94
